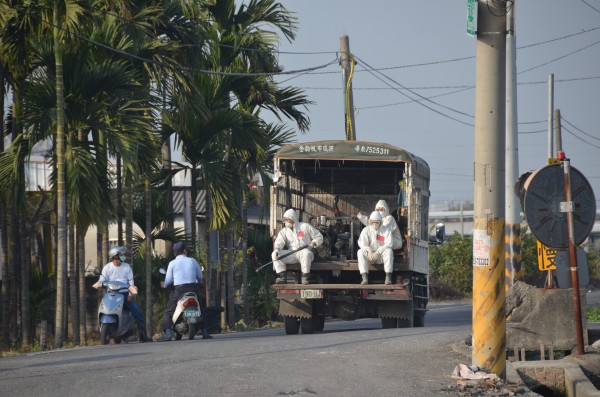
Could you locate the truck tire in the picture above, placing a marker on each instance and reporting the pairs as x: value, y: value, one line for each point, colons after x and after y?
x: 320, y: 323
x: 292, y: 325
x: 308, y: 325
x: 419, y: 320
x: 388, y: 322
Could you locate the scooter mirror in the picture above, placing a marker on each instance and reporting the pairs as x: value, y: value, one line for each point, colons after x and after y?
x: 162, y: 271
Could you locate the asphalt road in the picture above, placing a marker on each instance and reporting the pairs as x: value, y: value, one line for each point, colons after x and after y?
x: 355, y: 358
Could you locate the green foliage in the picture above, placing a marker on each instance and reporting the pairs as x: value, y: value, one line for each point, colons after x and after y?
x: 593, y: 258
x: 593, y: 314
x: 452, y: 263
x: 263, y: 301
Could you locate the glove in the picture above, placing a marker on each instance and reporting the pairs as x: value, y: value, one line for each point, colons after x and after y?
x: 374, y: 256
x: 276, y: 254
x: 313, y: 245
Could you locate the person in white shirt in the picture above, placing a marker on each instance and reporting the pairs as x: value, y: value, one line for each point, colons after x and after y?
x: 388, y: 221
x: 292, y: 236
x: 375, y: 244
x: 119, y: 270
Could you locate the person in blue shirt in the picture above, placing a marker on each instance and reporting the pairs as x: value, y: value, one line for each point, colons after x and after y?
x: 185, y: 274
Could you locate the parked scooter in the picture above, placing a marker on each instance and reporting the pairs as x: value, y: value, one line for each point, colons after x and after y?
x: 114, y: 321
x: 187, y: 314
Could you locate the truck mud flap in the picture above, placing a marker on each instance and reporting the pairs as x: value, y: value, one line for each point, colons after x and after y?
x: 397, y: 309
x: 301, y: 308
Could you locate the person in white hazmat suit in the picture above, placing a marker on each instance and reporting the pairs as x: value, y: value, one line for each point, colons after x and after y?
x: 292, y: 236
x: 388, y: 221
x: 375, y: 244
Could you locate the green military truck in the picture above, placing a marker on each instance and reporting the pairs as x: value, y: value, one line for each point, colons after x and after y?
x: 328, y: 183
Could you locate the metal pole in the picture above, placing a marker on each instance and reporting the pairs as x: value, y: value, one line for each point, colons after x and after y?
x: 568, y: 208
x: 550, y: 115
x: 347, y: 64
x: 489, y: 347
x: 513, y: 206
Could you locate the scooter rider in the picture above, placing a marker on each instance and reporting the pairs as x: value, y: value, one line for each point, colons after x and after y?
x: 185, y: 274
x: 119, y: 270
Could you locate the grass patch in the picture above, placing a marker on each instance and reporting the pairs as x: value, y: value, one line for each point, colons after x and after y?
x: 593, y: 314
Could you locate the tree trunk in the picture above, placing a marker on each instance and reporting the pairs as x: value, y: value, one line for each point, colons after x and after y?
x: 6, y: 281
x: 82, y: 292
x: 194, y: 190
x: 61, y: 261
x: 25, y: 271
x: 230, y: 286
x: 149, y: 329
x: 73, y: 294
x: 128, y: 203
x: 166, y: 166
x: 119, y: 201
x: 246, y: 298
x: 4, y: 231
x: 209, y: 279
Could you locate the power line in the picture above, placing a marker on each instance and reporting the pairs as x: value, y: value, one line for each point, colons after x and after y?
x: 578, y: 129
x: 591, y: 6
x: 578, y: 137
x: 559, y: 58
x: 414, y: 93
x: 201, y: 71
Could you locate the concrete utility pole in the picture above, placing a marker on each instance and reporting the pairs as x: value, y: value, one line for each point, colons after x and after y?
x: 347, y: 63
x: 489, y: 347
x: 513, y: 206
x: 550, y: 117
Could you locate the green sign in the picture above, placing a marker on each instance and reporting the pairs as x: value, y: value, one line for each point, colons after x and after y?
x: 471, y: 17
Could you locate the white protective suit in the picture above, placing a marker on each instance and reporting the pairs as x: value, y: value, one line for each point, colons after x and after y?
x: 388, y: 221
x: 378, y: 241
x: 293, y: 238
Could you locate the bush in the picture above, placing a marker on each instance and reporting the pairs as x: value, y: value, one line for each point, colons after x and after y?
x: 452, y: 263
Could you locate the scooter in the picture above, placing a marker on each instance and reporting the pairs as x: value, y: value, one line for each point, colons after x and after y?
x: 114, y: 321
x: 187, y: 315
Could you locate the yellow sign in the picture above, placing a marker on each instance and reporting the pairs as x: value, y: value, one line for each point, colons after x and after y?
x: 546, y: 257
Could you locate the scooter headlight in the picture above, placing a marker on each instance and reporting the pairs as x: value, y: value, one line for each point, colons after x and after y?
x: 114, y: 286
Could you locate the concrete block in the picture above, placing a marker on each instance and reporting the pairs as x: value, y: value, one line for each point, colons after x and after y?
x: 538, y: 315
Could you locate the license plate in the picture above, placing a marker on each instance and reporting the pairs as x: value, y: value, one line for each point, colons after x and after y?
x: 311, y: 293
x: 191, y: 313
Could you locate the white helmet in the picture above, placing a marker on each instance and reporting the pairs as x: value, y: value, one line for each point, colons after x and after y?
x: 116, y: 251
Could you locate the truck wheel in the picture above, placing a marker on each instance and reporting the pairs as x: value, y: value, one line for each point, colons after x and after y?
x: 105, y: 333
x: 292, y: 325
x: 308, y: 325
x: 387, y: 322
x: 419, y: 320
x: 320, y: 323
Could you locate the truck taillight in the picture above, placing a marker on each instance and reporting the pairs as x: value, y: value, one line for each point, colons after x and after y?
x: 289, y: 291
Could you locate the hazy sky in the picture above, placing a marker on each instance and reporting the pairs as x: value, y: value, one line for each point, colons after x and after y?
x: 425, y: 46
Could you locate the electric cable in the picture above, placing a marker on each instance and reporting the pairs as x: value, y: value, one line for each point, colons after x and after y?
x: 578, y: 129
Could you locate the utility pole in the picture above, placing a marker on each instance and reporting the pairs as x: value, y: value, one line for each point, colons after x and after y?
x: 489, y: 346
x: 347, y: 63
x: 512, y: 206
x: 550, y: 117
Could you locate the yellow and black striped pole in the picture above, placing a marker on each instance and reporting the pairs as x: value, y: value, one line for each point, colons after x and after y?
x: 489, y: 345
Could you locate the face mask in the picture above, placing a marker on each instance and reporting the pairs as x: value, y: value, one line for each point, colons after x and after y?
x: 122, y: 258
x: 289, y: 225
x: 374, y: 226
